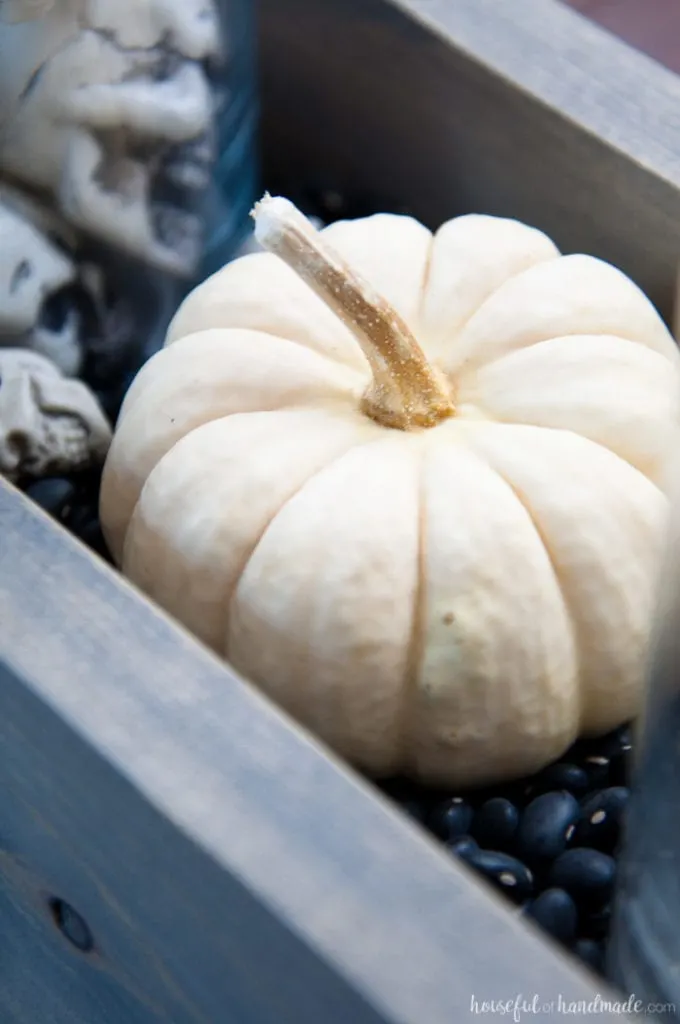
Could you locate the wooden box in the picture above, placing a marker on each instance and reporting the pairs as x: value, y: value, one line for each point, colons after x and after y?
x: 172, y: 848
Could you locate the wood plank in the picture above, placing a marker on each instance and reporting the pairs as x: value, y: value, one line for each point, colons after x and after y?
x: 525, y: 110
x: 227, y: 868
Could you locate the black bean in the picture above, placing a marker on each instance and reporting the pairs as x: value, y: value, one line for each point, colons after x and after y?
x: 82, y: 512
x: 90, y: 533
x: 546, y: 825
x: 620, y: 770
x: 451, y: 818
x: 54, y: 494
x: 85, y: 507
x: 462, y: 846
x: 588, y: 875
x: 601, y: 819
x: 590, y: 953
x: 513, y: 792
x: 494, y: 824
x: 621, y: 765
x: 506, y: 872
x: 597, y: 766
x: 555, y: 911
x: 597, y: 924
x: 624, y: 737
x: 561, y: 775
x: 613, y: 743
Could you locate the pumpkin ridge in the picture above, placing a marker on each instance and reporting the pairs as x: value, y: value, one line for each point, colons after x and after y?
x: 645, y: 326
x: 576, y: 644
x: 343, y: 394
x: 339, y: 406
x: 416, y: 644
x: 179, y: 344
x: 288, y: 339
x: 424, y: 285
x: 574, y: 433
x: 451, y: 375
x: 250, y: 412
x: 475, y: 393
x: 247, y: 315
x: 627, y: 340
x: 302, y: 688
x: 261, y: 533
x: 481, y: 365
x: 596, y: 692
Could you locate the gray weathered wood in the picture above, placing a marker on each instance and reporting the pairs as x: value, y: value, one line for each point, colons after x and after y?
x: 229, y: 869
x: 521, y: 109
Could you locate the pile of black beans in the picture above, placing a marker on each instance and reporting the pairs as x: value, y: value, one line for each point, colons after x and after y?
x: 549, y: 843
x: 73, y: 501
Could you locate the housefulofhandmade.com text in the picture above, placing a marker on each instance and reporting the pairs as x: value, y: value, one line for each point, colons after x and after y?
x: 520, y: 1006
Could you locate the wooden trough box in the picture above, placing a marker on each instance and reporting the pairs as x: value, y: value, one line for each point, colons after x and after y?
x: 172, y: 848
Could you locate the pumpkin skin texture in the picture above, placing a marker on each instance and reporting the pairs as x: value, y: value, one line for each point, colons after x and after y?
x: 457, y: 602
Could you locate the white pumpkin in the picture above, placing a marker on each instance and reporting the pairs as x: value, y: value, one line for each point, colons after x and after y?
x: 419, y: 502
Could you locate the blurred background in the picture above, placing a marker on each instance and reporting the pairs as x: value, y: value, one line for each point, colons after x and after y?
x: 651, y: 25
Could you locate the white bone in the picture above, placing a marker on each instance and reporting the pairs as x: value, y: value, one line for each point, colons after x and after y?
x: 49, y: 424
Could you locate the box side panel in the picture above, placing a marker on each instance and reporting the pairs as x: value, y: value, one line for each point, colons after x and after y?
x: 440, y: 108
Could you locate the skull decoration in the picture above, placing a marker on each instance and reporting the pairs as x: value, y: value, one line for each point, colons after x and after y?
x: 48, y: 424
x: 35, y: 273
x: 50, y: 300
x: 107, y: 118
x: 107, y: 112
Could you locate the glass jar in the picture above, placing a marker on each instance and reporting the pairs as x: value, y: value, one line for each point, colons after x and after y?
x: 235, y: 183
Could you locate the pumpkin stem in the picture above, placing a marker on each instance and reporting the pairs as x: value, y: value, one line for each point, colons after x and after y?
x: 406, y: 391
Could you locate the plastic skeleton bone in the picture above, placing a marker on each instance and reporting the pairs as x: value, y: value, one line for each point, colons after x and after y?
x: 107, y: 111
x: 48, y: 423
